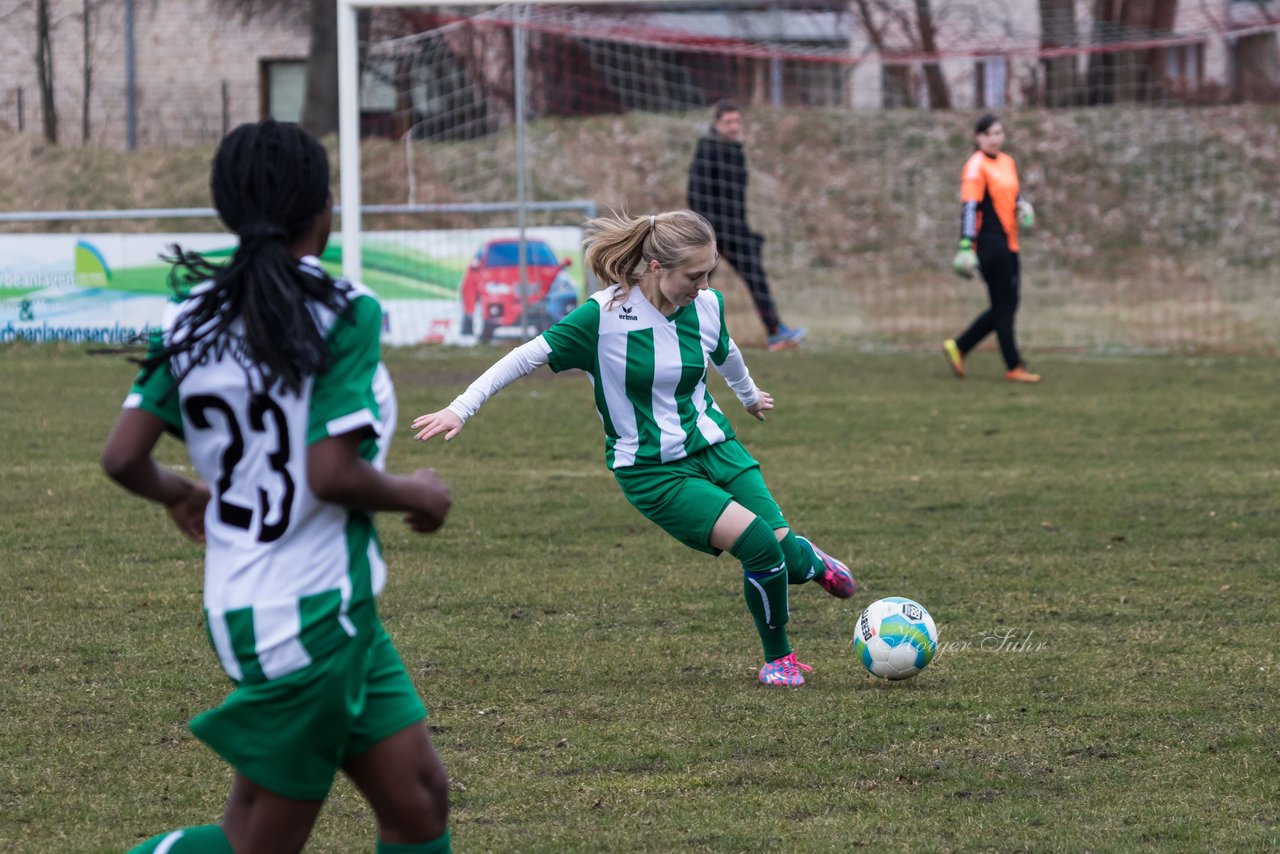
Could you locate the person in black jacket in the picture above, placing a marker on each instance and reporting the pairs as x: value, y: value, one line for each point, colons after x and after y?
x: 718, y: 191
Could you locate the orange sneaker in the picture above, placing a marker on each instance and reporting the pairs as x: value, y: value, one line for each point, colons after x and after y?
x: 955, y: 359
x: 1020, y: 374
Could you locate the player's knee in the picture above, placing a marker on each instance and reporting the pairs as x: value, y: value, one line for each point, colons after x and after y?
x: 434, y: 782
x: 757, y: 546
x: 420, y: 810
x: 258, y: 822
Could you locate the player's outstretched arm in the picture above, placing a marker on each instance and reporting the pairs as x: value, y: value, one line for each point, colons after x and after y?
x: 337, y: 473
x: 434, y: 423
x: 520, y: 362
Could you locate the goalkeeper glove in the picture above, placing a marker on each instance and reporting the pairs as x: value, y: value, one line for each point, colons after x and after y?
x: 965, y: 264
x: 1026, y: 215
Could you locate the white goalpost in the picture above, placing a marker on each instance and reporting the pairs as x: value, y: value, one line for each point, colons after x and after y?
x: 533, y: 287
x: 349, y: 127
x: 349, y: 116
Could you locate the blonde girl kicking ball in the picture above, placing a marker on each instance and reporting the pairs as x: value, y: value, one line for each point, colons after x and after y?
x: 646, y: 340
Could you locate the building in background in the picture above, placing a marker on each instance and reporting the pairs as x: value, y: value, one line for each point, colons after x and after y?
x: 1063, y: 52
x: 200, y: 68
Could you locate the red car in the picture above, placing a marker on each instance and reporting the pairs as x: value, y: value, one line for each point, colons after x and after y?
x: 492, y: 297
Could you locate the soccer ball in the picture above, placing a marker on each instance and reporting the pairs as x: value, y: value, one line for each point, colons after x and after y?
x: 895, y: 638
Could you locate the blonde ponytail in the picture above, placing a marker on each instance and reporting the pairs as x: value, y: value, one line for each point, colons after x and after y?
x: 617, y: 247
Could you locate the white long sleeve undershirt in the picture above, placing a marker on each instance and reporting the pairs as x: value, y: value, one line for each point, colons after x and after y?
x: 533, y: 354
x: 520, y: 362
x: 735, y: 373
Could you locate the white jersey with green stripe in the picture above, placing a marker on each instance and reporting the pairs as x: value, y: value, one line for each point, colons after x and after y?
x: 649, y: 371
x: 285, y: 572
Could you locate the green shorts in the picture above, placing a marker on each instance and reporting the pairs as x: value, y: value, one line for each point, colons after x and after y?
x: 291, y: 735
x: 686, y: 497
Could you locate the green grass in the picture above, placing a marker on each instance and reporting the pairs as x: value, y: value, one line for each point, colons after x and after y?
x: 592, y: 682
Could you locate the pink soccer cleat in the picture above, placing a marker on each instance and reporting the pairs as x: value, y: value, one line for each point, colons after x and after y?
x: 835, y: 577
x: 784, y: 671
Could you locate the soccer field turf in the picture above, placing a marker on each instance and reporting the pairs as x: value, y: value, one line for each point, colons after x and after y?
x: 1099, y: 552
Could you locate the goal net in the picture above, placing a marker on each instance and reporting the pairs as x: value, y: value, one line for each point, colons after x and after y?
x: 1148, y: 154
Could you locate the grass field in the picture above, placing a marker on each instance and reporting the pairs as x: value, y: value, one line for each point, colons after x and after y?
x: 592, y: 682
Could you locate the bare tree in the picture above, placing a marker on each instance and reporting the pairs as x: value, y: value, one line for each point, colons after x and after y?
x: 918, y: 32
x: 320, y: 101
x: 939, y: 94
x: 8, y: 10
x: 1129, y: 75
x: 320, y: 109
x: 1255, y: 56
x: 44, y: 71
x: 1142, y: 78
x: 880, y: 18
x: 87, y: 76
x: 1058, y: 29
x: 895, y: 87
x: 1102, y: 65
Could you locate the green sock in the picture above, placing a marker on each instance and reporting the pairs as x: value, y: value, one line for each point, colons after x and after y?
x: 205, y: 839
x: 764, y: 586
x: 439, y: 845
x: 802, y: 563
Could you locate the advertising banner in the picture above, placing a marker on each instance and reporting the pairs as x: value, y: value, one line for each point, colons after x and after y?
x: 446, y: 286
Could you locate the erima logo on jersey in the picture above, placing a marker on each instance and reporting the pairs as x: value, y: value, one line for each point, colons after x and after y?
x: 626, y: 314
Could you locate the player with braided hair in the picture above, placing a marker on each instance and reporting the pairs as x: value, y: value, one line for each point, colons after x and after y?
x: 270, y: 372
x: 646, y: 341
x: 268, y: 185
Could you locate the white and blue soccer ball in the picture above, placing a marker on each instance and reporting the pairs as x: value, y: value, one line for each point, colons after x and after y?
x: 895, y: 638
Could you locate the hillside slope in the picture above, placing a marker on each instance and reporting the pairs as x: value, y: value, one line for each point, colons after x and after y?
x: 1176, y: 208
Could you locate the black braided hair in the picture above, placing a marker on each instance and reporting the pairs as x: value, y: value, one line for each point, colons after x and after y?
x: 269, y: 181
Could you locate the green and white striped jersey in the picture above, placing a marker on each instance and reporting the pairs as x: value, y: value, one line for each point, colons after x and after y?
x: 285, y: 573
x: 649, y: 371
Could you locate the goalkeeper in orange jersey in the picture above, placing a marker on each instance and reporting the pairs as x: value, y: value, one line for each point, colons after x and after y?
x: 993, y: 213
